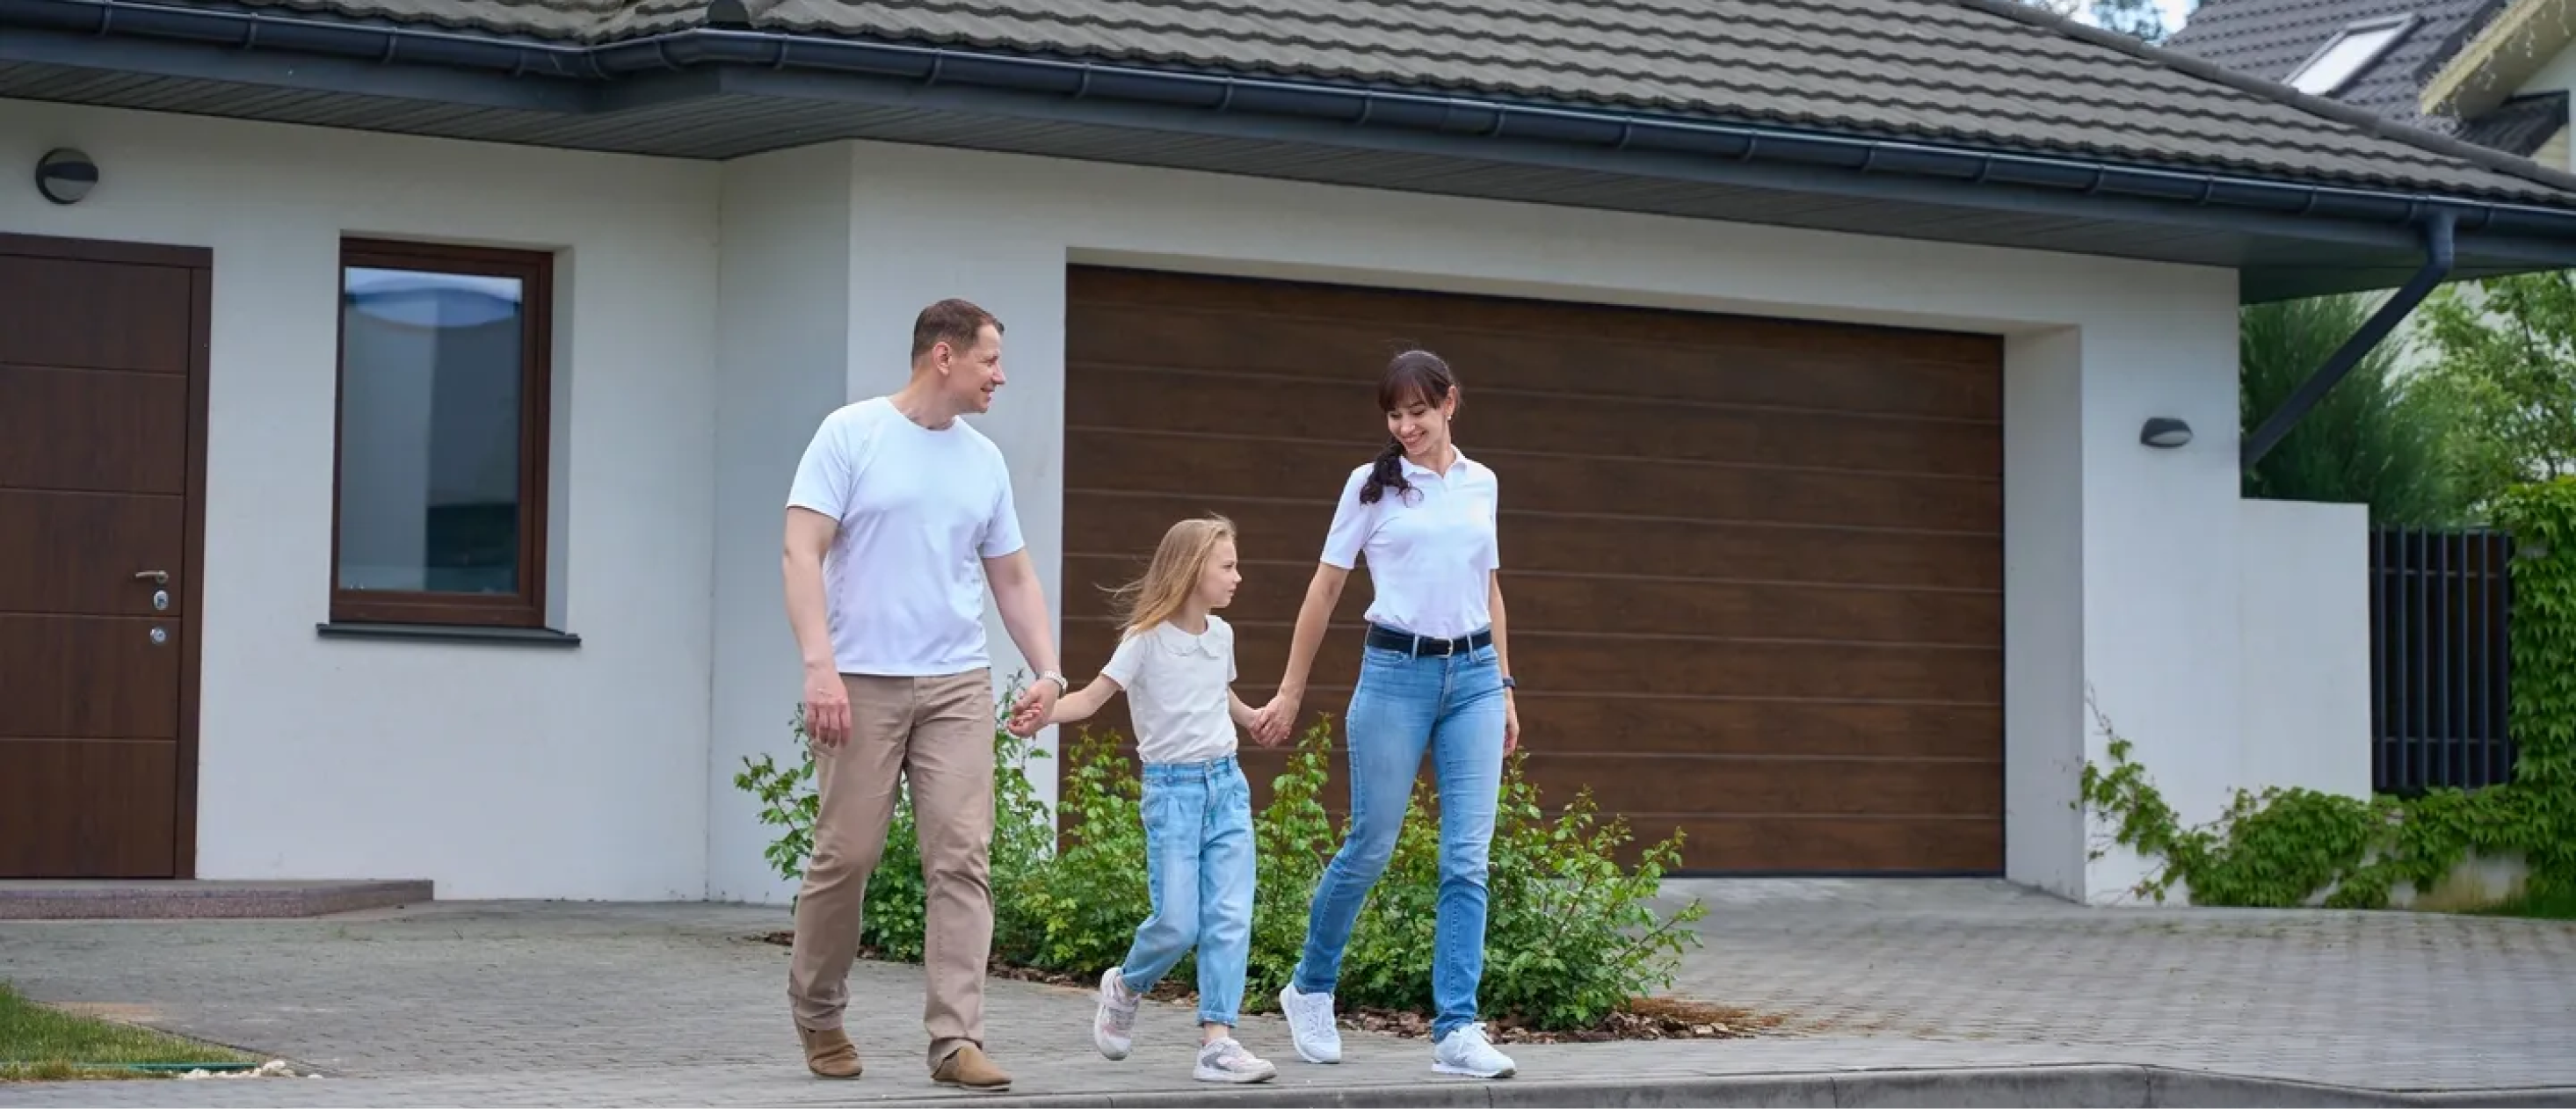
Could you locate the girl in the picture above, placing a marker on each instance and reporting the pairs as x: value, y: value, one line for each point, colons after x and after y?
x: 1175, y: 660
x: 1435, y: 675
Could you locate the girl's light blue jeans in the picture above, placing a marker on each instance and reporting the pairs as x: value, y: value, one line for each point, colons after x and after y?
x: 1198, y: 871
x: 1453, y: 707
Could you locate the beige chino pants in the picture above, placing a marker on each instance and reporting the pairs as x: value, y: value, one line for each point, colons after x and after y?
x: 938, y: 734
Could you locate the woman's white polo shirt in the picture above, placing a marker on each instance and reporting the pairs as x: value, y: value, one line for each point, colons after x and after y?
x: 1431, y: 549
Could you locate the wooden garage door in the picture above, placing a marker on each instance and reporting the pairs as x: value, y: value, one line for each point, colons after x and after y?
x: 1754, y: 567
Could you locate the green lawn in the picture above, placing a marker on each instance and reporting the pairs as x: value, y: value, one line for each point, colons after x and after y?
x: 2544, y: 906
x: 42, y: 1044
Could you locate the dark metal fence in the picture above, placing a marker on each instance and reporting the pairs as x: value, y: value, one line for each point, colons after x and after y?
x: 2440, y: 667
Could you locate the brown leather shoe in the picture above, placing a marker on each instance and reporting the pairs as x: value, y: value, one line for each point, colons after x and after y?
x: 967, y: 1068
x: 829, y: 1053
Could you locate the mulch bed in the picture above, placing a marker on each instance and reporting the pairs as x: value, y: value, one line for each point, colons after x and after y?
x: 1645, y: 1018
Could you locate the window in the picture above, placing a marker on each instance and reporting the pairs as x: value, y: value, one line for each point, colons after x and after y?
x: 441, y: 467
x: 2352, y: 50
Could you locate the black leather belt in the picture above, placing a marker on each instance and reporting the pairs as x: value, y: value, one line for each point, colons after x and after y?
x: 1423, y: 646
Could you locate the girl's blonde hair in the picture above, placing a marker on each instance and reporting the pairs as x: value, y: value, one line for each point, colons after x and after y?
x: 1172, y: 576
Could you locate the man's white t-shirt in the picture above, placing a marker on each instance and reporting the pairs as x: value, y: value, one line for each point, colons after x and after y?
x: 919, y: 511
x: 1431, y: 551
x: 1176, y: 691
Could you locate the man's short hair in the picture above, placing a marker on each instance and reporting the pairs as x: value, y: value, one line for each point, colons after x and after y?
x: 955, y: 322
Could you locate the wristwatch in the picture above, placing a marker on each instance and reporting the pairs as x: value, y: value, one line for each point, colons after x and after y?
x: 1508, y: 683
x: 1061, y: 685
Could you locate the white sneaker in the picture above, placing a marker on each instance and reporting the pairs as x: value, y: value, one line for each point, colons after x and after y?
x: 1113, y: 1025
x: 1465, y: 1050
x: 1310, y: 1024
x: 1226, y: 1061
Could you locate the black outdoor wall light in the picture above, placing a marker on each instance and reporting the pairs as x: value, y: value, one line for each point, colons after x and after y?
x: 65, y: 175
x: 2164, y: 432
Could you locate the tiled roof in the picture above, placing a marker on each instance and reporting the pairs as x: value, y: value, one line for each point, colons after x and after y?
x: 2521, y: 125
x: 2270, y: 38
x: 1985, y: 73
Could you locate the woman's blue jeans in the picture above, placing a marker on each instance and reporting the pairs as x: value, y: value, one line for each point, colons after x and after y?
x: 1451, y: 706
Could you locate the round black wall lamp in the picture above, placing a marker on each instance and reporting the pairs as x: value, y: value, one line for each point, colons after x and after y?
x: 65, y: 175
x: 2164, y: 432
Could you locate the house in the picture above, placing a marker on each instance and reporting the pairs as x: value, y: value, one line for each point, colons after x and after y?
x: 2491, y: 72
x: 398, y: 397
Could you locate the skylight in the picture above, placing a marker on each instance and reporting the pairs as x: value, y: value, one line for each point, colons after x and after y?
x: 2353, y: 49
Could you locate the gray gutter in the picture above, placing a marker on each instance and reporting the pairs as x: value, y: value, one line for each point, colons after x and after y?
x: 926, y: 66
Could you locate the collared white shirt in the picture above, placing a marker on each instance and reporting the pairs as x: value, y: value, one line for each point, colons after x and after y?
x: 1431, y: 549
x: 1176, y: 686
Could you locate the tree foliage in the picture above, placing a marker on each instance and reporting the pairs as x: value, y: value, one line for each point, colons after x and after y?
x: 2135, y: 18
x: 2371, y: 440
x: 2504, y: 373
x: 2140, y: 19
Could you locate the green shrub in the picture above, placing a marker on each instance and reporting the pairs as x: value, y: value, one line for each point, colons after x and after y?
x: 895, y: 899
x: 1571, y: 933
x: 1076, y: 914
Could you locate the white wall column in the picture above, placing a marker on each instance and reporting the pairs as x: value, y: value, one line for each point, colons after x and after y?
x: 781, y: 366
x: 2044, y: 717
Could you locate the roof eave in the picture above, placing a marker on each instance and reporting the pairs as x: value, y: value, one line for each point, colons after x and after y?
x: 2495, y: 63
x: 2543, y: 235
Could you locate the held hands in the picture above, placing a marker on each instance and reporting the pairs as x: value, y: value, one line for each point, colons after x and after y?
x: 1034, y: 708
x: 1272, y: 722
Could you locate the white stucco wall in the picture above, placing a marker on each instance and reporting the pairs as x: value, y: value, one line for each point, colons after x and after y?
x: 496, y: 771
x: 2306, y: 628
x: 713, y: 314
x: 2129, y: 554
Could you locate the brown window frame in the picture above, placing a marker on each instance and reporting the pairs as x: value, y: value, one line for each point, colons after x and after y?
x: 535, y: 271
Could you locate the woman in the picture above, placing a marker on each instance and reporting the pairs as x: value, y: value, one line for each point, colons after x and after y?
x: 1434, y: 675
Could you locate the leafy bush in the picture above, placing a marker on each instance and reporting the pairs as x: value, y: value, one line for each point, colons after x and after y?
x: 1572, y: 935
x: 896, y: 893
x: 1077, y: 914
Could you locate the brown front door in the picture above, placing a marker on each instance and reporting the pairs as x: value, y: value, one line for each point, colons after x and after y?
x: 102, y: 478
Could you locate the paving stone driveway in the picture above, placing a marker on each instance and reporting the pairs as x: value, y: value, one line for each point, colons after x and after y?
x: 555, y: 1003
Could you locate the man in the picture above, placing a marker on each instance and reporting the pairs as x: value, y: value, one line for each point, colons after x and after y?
x: 895, y: 504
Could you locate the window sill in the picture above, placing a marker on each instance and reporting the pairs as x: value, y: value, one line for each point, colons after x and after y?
x: 453, y: 633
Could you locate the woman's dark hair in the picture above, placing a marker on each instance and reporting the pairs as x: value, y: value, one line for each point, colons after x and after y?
x: 1413, y: 376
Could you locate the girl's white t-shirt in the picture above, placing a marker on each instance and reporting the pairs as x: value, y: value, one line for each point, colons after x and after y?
x: 1176, y: 687
x: 1431, y: 550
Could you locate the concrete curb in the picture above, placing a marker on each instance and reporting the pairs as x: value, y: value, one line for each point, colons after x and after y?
x: 197, y: 900
x: 2043, y: 1087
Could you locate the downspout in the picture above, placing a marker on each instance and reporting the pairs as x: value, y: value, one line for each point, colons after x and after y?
x: 2438, y: 254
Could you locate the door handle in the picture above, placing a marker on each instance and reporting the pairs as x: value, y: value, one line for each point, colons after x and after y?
x: 156, y: 577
